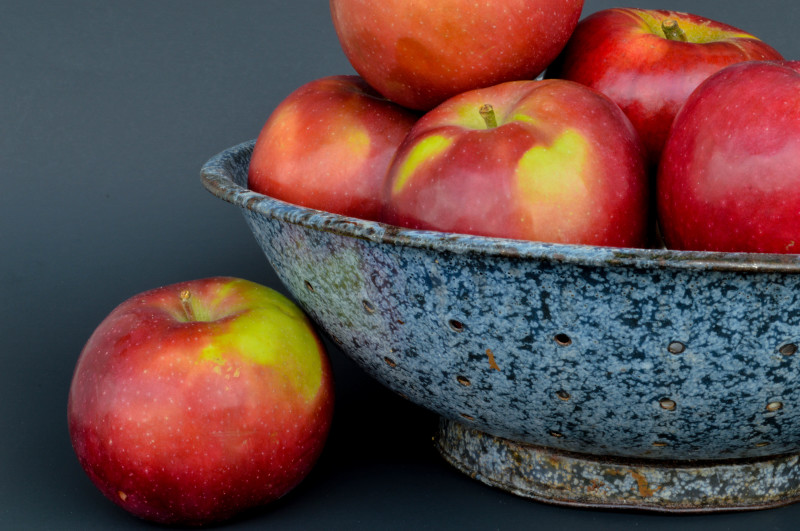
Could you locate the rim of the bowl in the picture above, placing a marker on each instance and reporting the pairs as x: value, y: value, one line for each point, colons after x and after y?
x: 217, y: 178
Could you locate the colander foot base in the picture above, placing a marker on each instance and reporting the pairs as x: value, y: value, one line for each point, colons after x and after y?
x: 565, y: 478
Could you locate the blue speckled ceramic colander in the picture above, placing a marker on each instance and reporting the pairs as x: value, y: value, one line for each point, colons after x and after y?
x: 583, y: 375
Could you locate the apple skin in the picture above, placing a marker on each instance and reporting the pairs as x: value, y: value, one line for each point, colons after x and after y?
x: 328, y: 145
x: 563, y: 165
x: 623, y: 53
x: 419, y: 53
x: 729, y: 178
x: 188, y: 418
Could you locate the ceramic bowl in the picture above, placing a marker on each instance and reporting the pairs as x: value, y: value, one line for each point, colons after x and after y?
x: 585, y: 375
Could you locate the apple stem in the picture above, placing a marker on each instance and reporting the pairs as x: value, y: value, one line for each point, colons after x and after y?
x: 487, y: 113
x: 672, y: 30
x: 186, y: 297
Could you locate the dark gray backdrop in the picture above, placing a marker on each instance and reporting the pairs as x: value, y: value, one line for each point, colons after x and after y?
x: 108, y: 110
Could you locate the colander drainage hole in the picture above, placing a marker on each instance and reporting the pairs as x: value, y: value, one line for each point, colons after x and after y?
x: 456, y: 326
x: 788, y: 349
x: 309, y: 287
x: 463, y: 380
x: 563, y: 395
x: 774, y: 406
x: 390, y: 362
x: 563, y: 340
x: 368, y: 307
x: 668, y: 404
x: 676, y: 347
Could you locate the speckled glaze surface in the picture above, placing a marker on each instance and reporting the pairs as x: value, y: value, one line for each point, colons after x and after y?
x: 566, y: 478
x: 631, y: 353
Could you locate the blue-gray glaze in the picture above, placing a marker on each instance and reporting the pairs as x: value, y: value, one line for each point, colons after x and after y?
x: 640, y: 353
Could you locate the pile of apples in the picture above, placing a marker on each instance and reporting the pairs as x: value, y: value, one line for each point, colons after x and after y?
x: 648, y: 128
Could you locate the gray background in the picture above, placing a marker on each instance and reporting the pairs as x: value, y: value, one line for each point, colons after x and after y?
x: 108, y: 110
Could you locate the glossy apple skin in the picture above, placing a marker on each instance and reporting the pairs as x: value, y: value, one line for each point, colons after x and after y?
x: 420, y: 52
x: 563, y: 165
x: 729, y: 179
x: 328, y: 145
x: 189, y: 421
x: 623, y: 53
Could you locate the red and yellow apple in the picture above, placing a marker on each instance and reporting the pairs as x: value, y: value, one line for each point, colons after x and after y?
x: 729, y: 178
x: 328, y: 145
x: 548, y: 160
x: 420, y: 52
x: 192, y: 402
x: 649, y: 61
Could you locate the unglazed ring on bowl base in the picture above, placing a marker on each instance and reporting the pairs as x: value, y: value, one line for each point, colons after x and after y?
x: 565, y: 478
x: 678, y: 359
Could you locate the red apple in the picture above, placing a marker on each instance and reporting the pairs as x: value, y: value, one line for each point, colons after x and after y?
x: 649, y: 61
x: 561, y: 164
x: 729, y: 179
x: 194, y: 401
x: 419, y: 53
x: 328, y: 145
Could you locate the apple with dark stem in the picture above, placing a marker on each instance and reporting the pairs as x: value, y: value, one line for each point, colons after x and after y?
x: 649, y: 61
x: 419, y: 53
x: 729, y: 178
x: 328, y: 145
x: 551, y: 161
x: 195, y: 401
